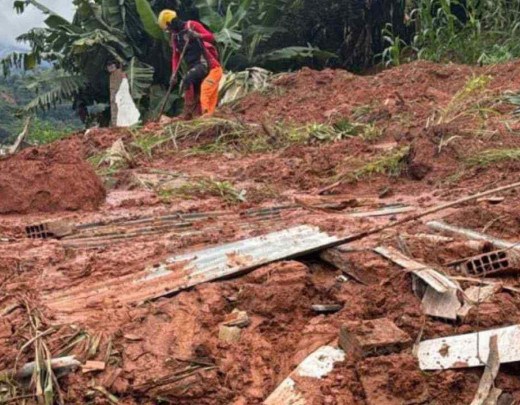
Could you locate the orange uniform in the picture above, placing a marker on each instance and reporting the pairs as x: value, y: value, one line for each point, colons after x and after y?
x: 210, y: 84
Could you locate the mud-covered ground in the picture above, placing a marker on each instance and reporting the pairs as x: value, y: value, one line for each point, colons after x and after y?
x: 450, y: 119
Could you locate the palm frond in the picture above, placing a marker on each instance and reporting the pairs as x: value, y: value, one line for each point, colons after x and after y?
x: 54, y: 89
x: 140, y: 78
x: 295, y: 53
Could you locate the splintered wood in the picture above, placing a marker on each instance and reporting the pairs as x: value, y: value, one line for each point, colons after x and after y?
x: 372, y: 338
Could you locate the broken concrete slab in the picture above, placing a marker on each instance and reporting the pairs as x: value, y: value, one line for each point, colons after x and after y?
x: 475, y: 295
x: 372, y: 338
x: 469, y: 350
x: 438, y: 281
x: 441, y: 305
x: 316, y: 366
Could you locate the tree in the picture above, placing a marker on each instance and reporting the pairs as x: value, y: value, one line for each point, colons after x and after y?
x: 127, y: 31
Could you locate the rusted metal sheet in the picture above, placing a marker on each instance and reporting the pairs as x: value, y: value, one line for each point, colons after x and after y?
x: 316, y: 366
x: 469, y: 350
x: 187, y: 270
x: 121, y: 229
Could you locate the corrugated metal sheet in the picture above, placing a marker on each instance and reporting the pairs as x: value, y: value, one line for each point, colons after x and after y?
x: 187, y: 270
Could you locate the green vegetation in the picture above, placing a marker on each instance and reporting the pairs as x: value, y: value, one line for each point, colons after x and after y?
x: 470, y: 100
x: 463, y: 31
x: 203, y: 188
x: 45, y: 126
x: 127, y: 31
x: 491, y: 156
x: 232, y: 136
x: 389, y: 164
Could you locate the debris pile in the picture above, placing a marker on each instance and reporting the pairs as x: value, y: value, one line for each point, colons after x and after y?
x: 48, y: 180
x: 309, y: 267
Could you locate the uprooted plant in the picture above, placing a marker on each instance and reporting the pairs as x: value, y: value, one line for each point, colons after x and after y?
x: 205, y: 187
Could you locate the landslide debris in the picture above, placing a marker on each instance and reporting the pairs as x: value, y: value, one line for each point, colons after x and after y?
x: 49, y: 179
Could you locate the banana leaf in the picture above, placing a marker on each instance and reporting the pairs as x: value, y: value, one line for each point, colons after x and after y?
x: 149, y: 20
x: 140, y: 78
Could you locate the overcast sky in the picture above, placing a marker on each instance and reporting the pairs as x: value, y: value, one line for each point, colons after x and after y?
x: 12, y: 24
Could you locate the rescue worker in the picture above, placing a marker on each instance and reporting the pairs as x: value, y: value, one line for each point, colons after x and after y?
x: 201, y: 82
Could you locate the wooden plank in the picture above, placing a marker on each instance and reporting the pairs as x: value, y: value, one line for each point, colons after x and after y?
x: 487, y: 381
x: 463, y: 351
x: 316, y: 366
x: 336, y: 257
x: 433, y: 278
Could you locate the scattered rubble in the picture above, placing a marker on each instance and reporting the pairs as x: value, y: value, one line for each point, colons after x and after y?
x: 376, y: 337
x: 161, y: 298
x: 317, y: 365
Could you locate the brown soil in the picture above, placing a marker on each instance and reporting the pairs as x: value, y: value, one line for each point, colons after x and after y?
x: 47, y: 180
x: 169, y: 349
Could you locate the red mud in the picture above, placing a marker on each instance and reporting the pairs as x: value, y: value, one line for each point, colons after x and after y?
x: 169, y: 349
x: 48, y: 179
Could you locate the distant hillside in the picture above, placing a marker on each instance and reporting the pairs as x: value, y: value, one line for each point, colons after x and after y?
x: 14, y: 95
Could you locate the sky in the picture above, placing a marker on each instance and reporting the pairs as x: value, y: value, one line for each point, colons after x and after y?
x: 13, y: 24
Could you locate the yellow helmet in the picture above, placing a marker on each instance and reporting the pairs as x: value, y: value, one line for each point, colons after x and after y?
x: 165, y: 18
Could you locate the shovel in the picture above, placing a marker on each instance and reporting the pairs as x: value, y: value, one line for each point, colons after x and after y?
x: 170, y: 88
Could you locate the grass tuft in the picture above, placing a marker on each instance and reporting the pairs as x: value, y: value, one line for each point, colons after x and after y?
x: 205, y: 187
x: 491, y: 156
x: 390, y: 164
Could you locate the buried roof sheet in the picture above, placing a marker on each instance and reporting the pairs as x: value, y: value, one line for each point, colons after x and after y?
x: 187, y: 270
